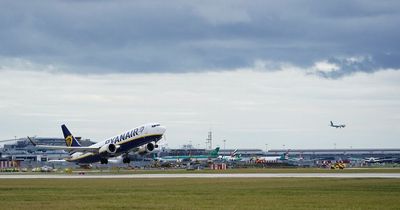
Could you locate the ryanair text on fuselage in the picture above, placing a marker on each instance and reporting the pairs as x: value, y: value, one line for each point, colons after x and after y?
x: 125, y: 136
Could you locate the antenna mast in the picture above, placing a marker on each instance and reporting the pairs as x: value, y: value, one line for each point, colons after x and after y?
x: 209, y: 140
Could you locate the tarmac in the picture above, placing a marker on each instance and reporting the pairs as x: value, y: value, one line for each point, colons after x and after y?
x: 205, y: 175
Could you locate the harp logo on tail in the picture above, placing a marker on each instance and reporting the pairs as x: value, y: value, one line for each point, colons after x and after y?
x: 68, y: 140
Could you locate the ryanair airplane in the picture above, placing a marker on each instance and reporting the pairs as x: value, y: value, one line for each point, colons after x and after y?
x: 139, y: 140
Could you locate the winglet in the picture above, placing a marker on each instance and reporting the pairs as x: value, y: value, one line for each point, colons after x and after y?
x: 33, y: 143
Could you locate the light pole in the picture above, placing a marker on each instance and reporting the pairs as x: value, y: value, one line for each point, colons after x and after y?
x: 224, y: 143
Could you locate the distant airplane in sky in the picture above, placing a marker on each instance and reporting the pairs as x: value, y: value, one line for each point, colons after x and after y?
x: 139, y: 140
x: 337, y: 126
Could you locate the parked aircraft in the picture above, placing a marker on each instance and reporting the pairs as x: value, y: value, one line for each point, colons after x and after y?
x: 372, y: 160
x: 43, y: 169
x: 271, y: 159
x: 183, y: 158
x: 381, y: 160
x: 337, y: 126
x: 233, y: 157
x: 141, y: 140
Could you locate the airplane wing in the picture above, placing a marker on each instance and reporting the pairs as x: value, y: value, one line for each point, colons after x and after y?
x: 74, y: 149
x: 57, y: 161
x: 10, y: 140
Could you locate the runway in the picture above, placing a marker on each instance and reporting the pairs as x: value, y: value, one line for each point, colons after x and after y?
x: 205, y: 175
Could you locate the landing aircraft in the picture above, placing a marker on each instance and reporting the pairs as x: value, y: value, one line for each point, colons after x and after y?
x: 139, y: 140
x: 337, y: 126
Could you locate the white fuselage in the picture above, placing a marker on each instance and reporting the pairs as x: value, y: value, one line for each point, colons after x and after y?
x: 125, y: 141
x: 269, y: 158
x: 229, y: 157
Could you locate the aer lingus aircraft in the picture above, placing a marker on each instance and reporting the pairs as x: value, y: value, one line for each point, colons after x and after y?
x: 190, y: 158
x: 141, y: 140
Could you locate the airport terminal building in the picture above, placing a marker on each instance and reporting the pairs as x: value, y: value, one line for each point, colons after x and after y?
x: 338, y: 153
x: 22, y: 150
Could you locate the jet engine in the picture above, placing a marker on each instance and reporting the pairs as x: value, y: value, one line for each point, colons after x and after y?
x: 146, y: 149
x: 108, y: 149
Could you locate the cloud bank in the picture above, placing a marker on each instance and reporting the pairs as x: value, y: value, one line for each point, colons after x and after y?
x: 247, y: 107
x: 97, y: 37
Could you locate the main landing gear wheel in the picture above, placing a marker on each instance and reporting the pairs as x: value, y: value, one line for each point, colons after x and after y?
x: 104, y: 161
x: 126, y: 160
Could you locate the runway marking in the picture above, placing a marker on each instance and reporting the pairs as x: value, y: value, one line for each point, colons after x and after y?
x: 239, y: 175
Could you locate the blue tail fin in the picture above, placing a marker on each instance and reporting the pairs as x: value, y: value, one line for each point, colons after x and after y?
x: 70, y: 140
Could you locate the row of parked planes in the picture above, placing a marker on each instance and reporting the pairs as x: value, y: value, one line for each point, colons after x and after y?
x: 140, y: 140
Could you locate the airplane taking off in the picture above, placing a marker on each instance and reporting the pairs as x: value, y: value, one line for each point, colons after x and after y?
x: 139, y: 140
x: 337, y: 126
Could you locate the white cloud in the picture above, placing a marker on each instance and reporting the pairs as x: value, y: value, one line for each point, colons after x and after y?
x: 325, y: 66
x: 248, y: 107
x: 358, y: 59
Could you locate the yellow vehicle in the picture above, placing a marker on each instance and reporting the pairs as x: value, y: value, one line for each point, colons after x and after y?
x: 338, y: 165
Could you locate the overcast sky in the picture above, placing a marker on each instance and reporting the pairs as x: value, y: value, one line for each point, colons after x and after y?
x: 255, y: 73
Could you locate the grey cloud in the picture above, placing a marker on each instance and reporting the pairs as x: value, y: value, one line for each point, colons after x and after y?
x: 347, y: 66
x: 180, y: 36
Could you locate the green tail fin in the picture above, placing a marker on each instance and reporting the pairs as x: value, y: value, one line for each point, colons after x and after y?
x: 214, y: 153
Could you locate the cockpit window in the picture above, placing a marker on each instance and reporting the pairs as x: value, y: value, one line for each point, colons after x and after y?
x: 155, y: 125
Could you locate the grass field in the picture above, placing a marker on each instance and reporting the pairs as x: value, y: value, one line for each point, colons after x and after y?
x: 234, y: 193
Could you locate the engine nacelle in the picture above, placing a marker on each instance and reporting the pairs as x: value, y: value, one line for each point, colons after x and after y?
x: 146, y: 149
x: 108, y: 149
